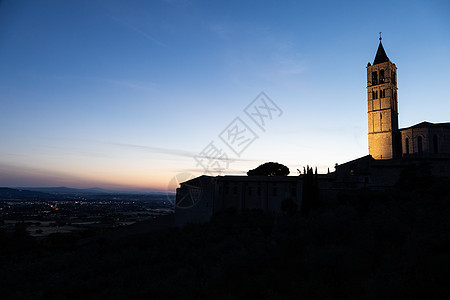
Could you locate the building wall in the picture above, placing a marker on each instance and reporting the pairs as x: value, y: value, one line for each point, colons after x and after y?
x: 381, y: 145
x: 444, y: 140
x: 367, y: 172
x: 209, y: 195
x: 435, y: 140
x: 266, y: 193
x: 239, y: 196
x: 194, y: 201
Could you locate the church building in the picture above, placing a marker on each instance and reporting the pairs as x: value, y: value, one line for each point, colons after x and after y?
x: 386, y: 140
x: 392, y: 151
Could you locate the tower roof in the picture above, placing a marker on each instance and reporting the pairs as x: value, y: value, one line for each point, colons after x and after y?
x: 381, y: 56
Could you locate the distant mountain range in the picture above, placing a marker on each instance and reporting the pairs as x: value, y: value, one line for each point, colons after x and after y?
x: 66, y: 190
x: 8, y: 193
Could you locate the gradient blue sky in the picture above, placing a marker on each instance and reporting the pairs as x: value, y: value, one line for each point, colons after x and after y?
x: 122, y: 94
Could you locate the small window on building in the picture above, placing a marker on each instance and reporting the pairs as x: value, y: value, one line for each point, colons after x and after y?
x: 376, y: 94
x: 373, y: 95
x: 407, y: 146
x: 374, y: 78
x: 435, y: 144
x: 381, y: 122
x: 419, y: 145
x: 274, y: 191
x: 381, y: 76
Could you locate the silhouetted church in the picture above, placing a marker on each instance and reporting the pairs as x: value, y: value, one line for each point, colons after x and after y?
x: 386, y: 140
x: 392, y: 151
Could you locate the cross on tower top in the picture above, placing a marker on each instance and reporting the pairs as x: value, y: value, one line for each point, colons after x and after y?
x: 380, y: 35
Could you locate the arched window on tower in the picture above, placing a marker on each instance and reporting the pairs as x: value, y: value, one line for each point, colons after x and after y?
x: 435, y: 144
x: 393, y: 77
x: 374, y: 78
x: 373, y: 95
x: 381, y: 76
x: 419, y: 145
x: 406, y: 146
x: 381, y: 122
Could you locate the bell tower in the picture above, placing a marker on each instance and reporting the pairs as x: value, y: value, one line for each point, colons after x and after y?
x: 382, y: 106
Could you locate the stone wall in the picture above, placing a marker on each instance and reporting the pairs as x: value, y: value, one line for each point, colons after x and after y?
x: 381, y: 145
x: 435, y: 140
x: 194, y: 201
x: 199, y: 198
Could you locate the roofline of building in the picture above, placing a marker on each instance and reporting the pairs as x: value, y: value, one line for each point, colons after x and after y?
x: 426, y: 124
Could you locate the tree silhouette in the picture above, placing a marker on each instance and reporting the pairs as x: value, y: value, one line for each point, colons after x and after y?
x: 310, y: 196
x: 269, y: 169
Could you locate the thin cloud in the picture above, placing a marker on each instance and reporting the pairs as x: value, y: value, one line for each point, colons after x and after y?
x: 223, y: 30
x: 131, y: 84
x: 225, y: 172
x: 141, y: 32
x: 177, y: 152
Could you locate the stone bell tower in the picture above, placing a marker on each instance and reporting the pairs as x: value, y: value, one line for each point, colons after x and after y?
x: 382, y: 106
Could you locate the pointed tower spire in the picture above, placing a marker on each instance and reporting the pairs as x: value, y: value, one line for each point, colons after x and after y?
x: 381, y: 56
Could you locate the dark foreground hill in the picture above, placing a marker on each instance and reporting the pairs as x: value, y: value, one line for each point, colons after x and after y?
x: 369, y: 246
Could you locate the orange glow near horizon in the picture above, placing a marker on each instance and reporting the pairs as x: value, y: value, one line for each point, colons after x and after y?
x: 119, y: 179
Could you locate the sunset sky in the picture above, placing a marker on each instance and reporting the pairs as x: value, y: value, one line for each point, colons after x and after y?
x: 124, y: 94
